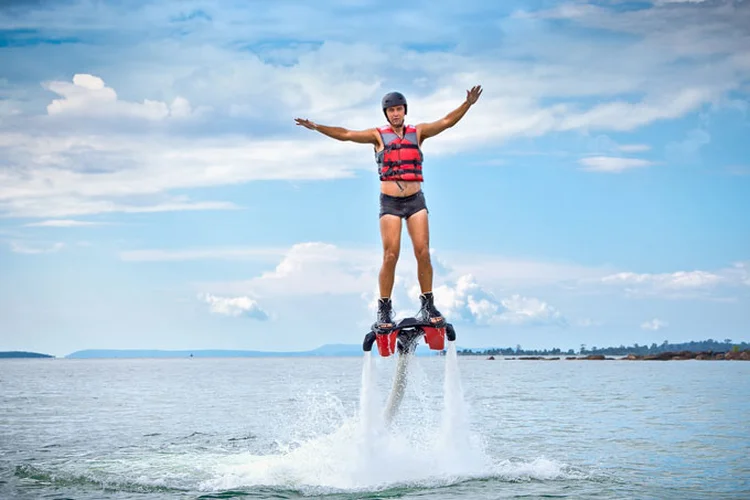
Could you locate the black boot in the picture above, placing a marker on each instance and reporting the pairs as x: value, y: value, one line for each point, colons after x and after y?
x: 385, y: 316
x: 429, y: 313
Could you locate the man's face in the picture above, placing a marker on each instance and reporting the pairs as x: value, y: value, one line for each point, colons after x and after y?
x: 395, y: 115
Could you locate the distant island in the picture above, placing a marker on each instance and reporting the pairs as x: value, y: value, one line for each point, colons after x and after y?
x: 328, y: 350
x: 22, y: 354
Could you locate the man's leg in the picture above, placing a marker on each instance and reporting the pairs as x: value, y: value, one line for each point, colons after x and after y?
x: 419, y: 231
x: 390, y: 234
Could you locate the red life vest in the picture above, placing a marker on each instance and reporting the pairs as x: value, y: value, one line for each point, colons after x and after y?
x: 401, y: 160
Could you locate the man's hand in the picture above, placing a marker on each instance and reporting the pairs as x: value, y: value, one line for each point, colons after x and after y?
x: 306, y: 123
x: 472, y: 95
x: 427, y: 130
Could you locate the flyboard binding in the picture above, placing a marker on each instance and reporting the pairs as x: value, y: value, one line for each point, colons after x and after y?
x: 405, y: 335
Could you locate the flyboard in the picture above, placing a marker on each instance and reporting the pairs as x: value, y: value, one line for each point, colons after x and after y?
x: 403, y: 339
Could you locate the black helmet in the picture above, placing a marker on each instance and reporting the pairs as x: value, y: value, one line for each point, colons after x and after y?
x: 393, y: 99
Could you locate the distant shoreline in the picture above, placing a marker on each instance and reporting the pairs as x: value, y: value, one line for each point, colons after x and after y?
x: 709, y: 349
x: 355, y: 351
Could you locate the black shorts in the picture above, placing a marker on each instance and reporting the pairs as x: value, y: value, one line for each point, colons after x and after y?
x: 402, y: 206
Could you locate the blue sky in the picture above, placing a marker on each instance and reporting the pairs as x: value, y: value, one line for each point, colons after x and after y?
x: 156, y: 193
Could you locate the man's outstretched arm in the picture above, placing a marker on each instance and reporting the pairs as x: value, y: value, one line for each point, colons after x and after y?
x: 369, y: 136
x: 434, y: 128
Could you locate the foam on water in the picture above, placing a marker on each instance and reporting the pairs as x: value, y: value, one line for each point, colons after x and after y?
x: 364, y: 453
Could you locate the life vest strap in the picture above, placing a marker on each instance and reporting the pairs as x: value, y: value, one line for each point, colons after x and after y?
x: 397, y: 145
x: 396, y: 163
x: 398, y: 174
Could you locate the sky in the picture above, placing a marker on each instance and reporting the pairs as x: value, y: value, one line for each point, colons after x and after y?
x: 155, y: 192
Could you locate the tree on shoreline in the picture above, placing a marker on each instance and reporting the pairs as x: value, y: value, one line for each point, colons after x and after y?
x: 693, y: 346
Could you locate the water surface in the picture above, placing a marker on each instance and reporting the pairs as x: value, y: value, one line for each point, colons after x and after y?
x: 310, y: 427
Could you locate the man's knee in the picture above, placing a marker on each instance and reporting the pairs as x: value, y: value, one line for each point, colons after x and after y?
x: 422, y: 253
x: 390, y: 257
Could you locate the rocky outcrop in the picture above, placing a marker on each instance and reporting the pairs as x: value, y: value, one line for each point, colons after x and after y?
x: 684, y: 355
x: 595, y: 357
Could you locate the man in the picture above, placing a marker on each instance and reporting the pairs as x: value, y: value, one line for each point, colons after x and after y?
x: 399, y: 159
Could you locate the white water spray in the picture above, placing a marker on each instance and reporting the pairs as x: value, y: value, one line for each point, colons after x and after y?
x: 370, y: 424
x: 398, y: 389
x: 455, y: 414
x: 428, y: 443
x: 463, y: 448
x: 368, y: 396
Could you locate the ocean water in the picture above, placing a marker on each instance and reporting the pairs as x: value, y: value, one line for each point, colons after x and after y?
x: 468, y: 428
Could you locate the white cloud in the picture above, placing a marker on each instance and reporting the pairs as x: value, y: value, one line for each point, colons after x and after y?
x: 499, y: 270
x: 55, y: 179
x: 35, y: 249
x: 694, y: 284
x: 468, y: 301
x: 626, y: 116
x: 676, y: 281
x: 634, y: 148
x: 506, y: 293
x: 310, y: 269
x: 670, y: 21
x: 59, y: 206
x: 612, y: 164
x: 315, y: 268
x: 234, y: 306
x: 465, y: 300
x: 88, y: 96
x: 63, y: 223
x: 237, y: 253
x: 512, y: 273
x: 529, y: 310
x: 654, y: 324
